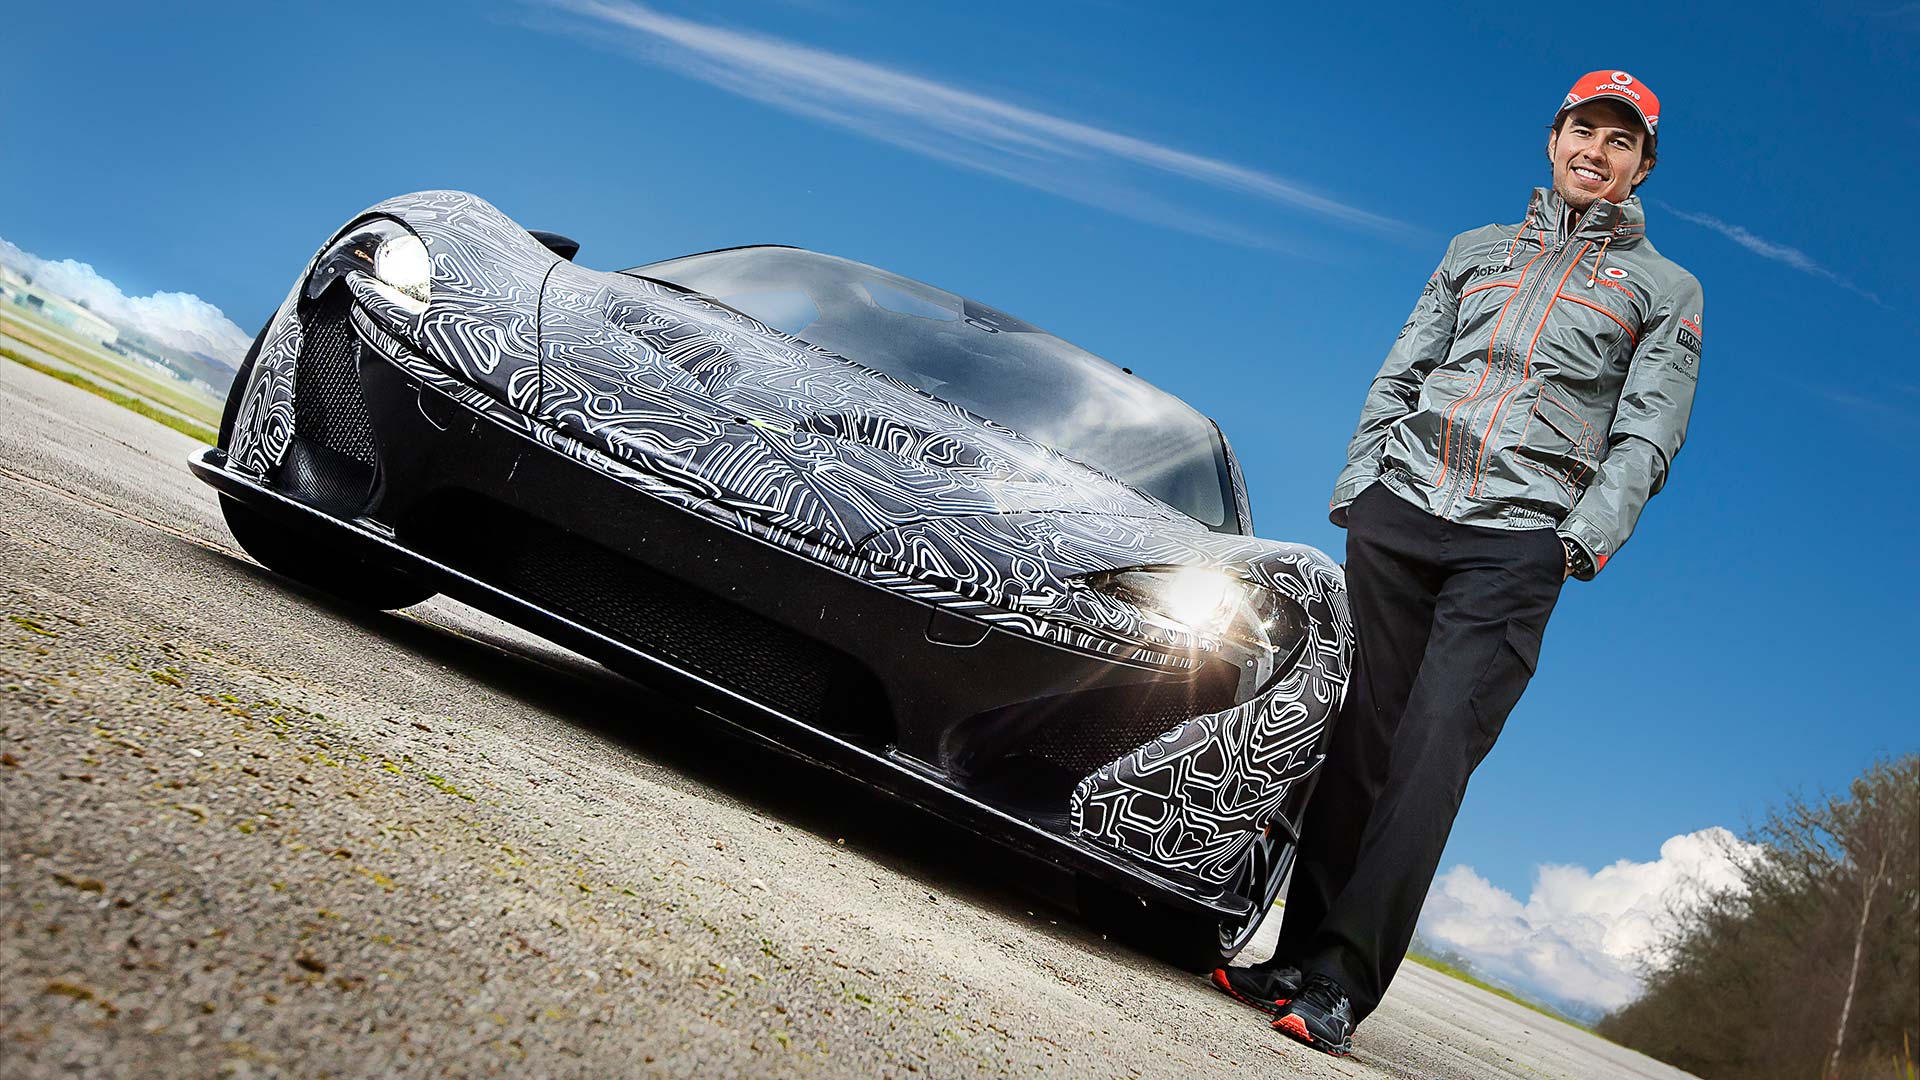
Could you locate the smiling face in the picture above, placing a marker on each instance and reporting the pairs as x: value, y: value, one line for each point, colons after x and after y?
x: 1598, y: 152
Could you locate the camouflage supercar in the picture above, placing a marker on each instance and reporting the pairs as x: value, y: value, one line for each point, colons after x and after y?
x: 892, y: 530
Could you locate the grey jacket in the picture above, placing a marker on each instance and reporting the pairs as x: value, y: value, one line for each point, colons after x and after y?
x: 1543, y: 381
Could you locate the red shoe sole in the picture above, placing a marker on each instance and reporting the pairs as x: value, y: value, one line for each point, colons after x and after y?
x: 1271, y: 1008
x: 1296, y: 1027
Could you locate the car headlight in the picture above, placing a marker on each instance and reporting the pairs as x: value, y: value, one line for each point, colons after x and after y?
x: 1258, y: 627
x: 390, y: 254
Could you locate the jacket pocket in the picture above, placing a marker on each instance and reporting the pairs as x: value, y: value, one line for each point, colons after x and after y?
x: 1558, y: 444
x: 1442, y: 388
x: 1588, y: 333
x: 1481, y: 304
x: 1423, y: 428
x: 1505, y: 679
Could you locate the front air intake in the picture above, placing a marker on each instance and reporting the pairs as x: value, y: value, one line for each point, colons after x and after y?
x: 661, y: 615
x: 330, y: 462
x: 1031, y: 754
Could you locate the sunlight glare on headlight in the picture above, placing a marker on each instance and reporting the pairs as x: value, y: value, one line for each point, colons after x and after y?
x: 401, y: 261
x: 1190, y: 599
x: 1199, y: 597
x: 387, y: 255
x: 1250, y: 625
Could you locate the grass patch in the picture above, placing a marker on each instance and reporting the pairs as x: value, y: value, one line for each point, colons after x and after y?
x: 102, y: 365
x: 25, y: 623
x: 444, y: 785
x: 1445, y: 968
x: 126, y: 401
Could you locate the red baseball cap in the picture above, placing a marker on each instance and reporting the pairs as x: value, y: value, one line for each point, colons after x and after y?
x: 1618, y: 85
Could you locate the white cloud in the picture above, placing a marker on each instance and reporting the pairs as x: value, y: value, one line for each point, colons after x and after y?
x: 1088, y: 164
x: 1768, y: 249
x: 180, y: 320
x: 1580, y: 936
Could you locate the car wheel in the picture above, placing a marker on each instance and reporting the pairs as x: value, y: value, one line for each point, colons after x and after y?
x: 239, y: 388
x: 299, y: 556
x: 1266, y: 870
x: 1198, y: 943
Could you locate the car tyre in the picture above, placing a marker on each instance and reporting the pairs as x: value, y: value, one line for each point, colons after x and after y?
x: 239, y: 389
x: 1267, y: 866
x: 300, y: 557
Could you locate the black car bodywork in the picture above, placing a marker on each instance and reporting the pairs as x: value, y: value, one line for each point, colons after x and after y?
x: 865, y: 573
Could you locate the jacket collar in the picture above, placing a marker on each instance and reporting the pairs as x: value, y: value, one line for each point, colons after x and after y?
x: 1624, y: 223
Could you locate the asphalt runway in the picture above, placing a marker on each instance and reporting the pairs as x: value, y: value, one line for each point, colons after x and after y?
x: 250, y: 831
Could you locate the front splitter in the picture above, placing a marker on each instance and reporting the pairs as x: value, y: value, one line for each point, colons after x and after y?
x: 897, y: 776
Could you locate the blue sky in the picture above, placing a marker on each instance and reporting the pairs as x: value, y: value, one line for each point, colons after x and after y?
x: 1240, y: 204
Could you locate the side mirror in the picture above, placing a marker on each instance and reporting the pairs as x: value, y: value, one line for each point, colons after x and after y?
x: 564, y: 246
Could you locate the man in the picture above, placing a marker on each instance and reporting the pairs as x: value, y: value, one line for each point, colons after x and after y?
x: 1532, y: 404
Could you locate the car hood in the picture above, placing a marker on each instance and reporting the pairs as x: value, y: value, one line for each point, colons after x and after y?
x: 702, y: 395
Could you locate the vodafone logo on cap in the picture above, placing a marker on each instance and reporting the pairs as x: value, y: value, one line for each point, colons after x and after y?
x: 1619, y: 84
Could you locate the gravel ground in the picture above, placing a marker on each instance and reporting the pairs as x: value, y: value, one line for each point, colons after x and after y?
x: 249, y: 831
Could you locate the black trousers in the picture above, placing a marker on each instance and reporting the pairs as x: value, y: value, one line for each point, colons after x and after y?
x: 1449, y: 619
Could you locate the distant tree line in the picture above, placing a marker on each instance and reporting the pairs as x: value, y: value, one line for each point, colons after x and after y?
x: 1810, y: 970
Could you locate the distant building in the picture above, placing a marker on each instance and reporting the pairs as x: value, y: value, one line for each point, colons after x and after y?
x: 139, y: 349
x: 12, y: 284
x: 19, y: 290
x: 17, y: 287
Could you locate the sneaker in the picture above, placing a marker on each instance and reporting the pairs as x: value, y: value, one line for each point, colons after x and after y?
x: 1320, y: 1016
x: 1265, y: 988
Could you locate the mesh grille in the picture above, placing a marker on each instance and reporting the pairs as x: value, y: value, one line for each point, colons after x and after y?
x: 1104, y: 725
x: 1030, y: 754
x: 693, y: 629
x: 328, y: 406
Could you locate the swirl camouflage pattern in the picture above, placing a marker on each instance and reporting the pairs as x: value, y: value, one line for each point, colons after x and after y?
x: 805, y: 540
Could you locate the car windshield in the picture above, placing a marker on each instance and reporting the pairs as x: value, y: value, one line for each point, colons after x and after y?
x: 981, y: 359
